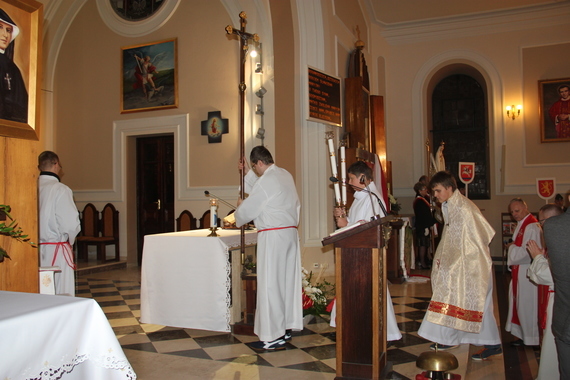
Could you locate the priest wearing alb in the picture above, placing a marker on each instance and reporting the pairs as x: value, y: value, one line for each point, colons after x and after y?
x: 461, y: 307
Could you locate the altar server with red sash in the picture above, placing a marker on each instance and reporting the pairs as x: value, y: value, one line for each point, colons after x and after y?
x: 461, y: 306
x: 59, y: 223
x: 274, y: 207
x: 522, y: 319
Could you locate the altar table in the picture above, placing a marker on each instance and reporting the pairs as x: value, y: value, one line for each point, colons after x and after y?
x: 186, y: 279
x: 51, y: 337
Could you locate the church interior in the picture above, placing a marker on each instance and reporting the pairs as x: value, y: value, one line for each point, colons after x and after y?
x: 472, y: 79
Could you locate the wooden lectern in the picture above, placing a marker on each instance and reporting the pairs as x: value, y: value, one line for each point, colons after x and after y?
x: 360, y: 257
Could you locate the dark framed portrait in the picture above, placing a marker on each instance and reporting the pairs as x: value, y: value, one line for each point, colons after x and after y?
x: 20, y: 44
x: 149, y: 76
x: 554, y: 109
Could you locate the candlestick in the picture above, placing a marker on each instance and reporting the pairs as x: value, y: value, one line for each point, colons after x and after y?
x: 343, y: 173
x: 333, y: 158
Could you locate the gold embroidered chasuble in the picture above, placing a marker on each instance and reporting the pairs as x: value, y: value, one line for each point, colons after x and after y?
x: 461, y: 267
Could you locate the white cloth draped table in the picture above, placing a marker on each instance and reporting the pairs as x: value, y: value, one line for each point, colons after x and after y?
x: 51, y: 337
x: 185, y: 278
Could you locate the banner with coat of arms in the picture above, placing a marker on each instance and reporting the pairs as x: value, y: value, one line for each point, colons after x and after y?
x: 545, y: 187
x: 466, y: 172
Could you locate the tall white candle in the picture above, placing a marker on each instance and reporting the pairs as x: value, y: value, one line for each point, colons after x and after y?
x: 337, y: 193
x: 343, y: 173
x: 213, y: 212
x: 333, y: 158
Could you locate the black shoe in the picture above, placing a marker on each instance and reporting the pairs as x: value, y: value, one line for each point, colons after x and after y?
x: 441, y: 347
x: 288, y: 336
x: 274, y: 345
x: 487, y: 352
x: 517, y: 343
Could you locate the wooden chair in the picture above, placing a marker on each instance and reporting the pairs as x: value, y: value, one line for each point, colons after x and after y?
x: 185, y: 221
x: 106, y: 232
x: 89, y: 230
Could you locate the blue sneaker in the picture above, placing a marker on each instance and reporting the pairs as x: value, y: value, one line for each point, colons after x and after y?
x: 441, y: 347
x: 487, y: 352
x: 274, y: 345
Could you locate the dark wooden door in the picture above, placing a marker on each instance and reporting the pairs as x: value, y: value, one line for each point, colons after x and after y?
x: 155, y: 187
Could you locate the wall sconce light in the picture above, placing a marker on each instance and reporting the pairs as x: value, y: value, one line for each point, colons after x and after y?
x: 513, y: 111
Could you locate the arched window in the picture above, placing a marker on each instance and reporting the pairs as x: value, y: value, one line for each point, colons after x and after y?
x: 459, y: 119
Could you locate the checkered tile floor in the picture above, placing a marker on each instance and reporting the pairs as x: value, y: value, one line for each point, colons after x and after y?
x: 312, y: 349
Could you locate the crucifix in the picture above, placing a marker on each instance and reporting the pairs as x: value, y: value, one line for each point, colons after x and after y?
x: 244, y: 38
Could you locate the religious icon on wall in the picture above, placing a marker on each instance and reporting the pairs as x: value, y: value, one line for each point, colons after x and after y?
x: 19, y: 60
x: 214, y: 127
x: 554, y: 105
x: 149, y: 77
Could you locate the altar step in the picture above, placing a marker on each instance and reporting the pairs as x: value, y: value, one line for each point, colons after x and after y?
x: 94, y: 267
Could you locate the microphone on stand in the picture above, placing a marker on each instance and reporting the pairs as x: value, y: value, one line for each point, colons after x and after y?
x: 367, y: 190
x: 208, y: 194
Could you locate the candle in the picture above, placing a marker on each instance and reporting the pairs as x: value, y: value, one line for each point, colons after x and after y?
x: 343, y: 173
x: 333, y: 158
x: 213, y: 213
x: 337, y: 193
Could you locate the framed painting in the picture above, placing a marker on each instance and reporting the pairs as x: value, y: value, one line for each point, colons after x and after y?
x: 20, y: 41
x: 554, y: 110
x: 149, y: 77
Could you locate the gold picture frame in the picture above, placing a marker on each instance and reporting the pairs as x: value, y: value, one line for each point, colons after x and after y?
x: 551, y: 128
x: 20, y: 84
x: 149, y: 76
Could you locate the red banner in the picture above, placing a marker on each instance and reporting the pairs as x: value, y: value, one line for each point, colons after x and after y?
x: 466, y: 172
x: 545, y: 187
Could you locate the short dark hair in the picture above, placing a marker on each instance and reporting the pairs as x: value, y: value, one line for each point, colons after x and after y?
x: 418, y: 187
x: 359, y: 168
x: 47, y: 159
x: 261, y: 153
x: 551, y: 208
x: 443, y: 178
x: 562, y: 86
x: 558, y: 197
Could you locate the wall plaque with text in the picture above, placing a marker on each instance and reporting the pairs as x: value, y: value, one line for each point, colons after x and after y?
x: 324, y: 98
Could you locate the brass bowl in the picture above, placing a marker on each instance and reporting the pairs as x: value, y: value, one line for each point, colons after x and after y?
x: 437, y: 361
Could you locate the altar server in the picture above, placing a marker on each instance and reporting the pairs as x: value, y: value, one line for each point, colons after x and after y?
x: 274, y: 207
x: 365, y: 206
x: 59, y: 223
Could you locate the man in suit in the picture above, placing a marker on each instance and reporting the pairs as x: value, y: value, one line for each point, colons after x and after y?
x: 557, y: 240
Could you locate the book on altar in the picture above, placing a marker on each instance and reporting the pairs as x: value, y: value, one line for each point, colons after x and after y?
x: 349, y: 227
x: 229, y: 221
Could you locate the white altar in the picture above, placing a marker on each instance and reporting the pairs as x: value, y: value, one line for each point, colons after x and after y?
x: 51, y: 337
x: 186, y: 279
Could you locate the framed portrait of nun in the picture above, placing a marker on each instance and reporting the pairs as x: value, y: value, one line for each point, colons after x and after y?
x: 20, y: 60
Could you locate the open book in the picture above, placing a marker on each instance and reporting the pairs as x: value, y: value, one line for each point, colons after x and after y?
x: 349, y: 227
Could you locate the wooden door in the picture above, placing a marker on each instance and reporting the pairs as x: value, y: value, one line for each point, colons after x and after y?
x: 155, y: 187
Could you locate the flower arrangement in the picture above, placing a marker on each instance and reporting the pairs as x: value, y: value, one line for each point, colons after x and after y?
x: 316, y: 296
x: 395, y: 207
x: 11, y: 229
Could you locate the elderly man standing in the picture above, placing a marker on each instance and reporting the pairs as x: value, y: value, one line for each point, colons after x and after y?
x: 522, y: 320
x: 274, y: 207
x: 557, y: 239
x: 59, y: 223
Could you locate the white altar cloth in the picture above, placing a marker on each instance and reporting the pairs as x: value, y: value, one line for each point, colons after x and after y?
x: 51, y: 337
x: 185, y: 278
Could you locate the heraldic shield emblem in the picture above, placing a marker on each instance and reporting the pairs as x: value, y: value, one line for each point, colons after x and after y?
x: 466, y: 172
x: 545, y: 187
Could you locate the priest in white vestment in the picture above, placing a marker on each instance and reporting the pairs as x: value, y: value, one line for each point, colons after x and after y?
x: 59, y: 223
x: 274, y: 207
x: 461, y: 307
x: 522, y: 319
x: 366, y: 204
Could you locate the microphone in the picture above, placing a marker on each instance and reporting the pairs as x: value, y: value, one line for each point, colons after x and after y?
x: 208, y: 194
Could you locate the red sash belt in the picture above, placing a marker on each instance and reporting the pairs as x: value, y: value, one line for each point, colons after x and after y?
x: 276, y: 228
x: 67, y: 253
